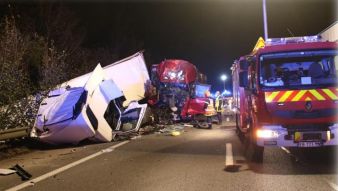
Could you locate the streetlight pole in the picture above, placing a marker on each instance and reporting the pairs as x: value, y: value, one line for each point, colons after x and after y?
x: 265, y: 21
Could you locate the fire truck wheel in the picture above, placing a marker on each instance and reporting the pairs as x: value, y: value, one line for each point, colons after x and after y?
x: 239, y: 133
x: 253, y: 152
x: 237, y: 124
x: 258, y: 154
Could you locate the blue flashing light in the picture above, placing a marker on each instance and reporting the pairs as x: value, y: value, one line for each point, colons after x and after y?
x: 226, y: 93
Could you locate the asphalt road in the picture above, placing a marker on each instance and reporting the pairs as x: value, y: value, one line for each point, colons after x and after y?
x: 194, y: 160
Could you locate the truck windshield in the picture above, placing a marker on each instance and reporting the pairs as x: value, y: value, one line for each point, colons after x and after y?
x: 310, y: 68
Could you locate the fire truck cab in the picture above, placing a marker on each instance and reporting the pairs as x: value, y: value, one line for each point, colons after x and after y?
x: 286, y: 94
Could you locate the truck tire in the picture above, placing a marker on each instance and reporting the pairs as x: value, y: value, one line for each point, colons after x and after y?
x: 239, y: 132
x: 253, y: 152
x: 237, y: 124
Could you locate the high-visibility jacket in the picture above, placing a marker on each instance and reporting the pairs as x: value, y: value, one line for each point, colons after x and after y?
x: 210, y: 110
x: 219, y: 104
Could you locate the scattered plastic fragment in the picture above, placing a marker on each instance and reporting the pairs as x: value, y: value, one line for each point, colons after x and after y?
x: 107, y: 150
x: 173, y: 130
x: 175, y: 133
x: 6, y: 171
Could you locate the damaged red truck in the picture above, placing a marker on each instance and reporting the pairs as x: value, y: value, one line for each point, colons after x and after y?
x: 286, y: 94
x: 176, y: 82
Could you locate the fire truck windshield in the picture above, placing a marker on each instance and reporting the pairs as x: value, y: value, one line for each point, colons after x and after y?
x: 310, y: 68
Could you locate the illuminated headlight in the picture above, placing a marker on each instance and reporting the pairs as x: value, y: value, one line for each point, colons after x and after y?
x: 264, y: 133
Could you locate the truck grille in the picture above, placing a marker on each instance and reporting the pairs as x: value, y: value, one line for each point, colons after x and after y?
x: 301, y: 114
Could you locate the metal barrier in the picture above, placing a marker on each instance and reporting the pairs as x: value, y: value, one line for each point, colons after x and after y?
x: 13, y: 133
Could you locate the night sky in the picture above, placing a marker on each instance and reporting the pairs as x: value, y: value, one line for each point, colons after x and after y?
x: 210, y: 34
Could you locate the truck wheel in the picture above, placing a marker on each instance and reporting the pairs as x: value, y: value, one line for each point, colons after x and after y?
x: 253, y: 152
x: 258, y: 154
x: 239, y: 133
x: 237, y: 125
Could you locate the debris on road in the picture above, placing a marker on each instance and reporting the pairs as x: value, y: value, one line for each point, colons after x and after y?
x: 232, y: 168
x: 188, y: 125
x: 172, y: 130
x: 21, y: 172
x: 107, y: 150
x: 175, y: 133
x: 6, y: 171
x: 71, y: 152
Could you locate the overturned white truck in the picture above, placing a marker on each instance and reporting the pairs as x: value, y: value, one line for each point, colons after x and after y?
x: 95, y: 106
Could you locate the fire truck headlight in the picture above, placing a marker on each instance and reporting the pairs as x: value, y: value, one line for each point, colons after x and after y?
x: 265, y: 133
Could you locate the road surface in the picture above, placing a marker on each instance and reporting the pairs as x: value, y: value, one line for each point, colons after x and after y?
x: 198, y: 159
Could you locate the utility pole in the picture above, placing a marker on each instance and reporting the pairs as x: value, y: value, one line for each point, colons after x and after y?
x: 265, y: 21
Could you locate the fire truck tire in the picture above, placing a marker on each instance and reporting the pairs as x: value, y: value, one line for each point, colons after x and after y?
x: 239, y: 133
x: 253, y: 152
x: 237, y: 124
x: 258, y: 154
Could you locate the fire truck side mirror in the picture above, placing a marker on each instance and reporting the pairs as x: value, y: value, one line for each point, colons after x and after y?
x: 243, y: 65
x: 243, y: 79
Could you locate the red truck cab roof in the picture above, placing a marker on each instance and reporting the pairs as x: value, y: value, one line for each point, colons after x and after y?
x: 176, y: 71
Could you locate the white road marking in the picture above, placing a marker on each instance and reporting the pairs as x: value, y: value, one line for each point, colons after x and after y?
x: 229, y: 160
x: 64, y: 168
x: 332, y: 185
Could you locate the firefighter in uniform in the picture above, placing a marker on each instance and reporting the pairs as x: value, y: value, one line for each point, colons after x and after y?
x: 209, y: 108
x: 219, y: 106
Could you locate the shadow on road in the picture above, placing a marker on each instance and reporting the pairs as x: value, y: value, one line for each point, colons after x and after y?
x: 23, y: 146
x: 310, y: 161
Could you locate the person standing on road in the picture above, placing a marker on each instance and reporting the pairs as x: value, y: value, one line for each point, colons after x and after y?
x: 219, y: 104
x: 209, y: 108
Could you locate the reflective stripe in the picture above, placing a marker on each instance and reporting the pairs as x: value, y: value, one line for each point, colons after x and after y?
x: 302, y: 95
x: 271, y: 96
x: 299, y: 95
x: 330, y: 94
x: 285, y: 96
x: 210, y: 110
x: 317, y: 95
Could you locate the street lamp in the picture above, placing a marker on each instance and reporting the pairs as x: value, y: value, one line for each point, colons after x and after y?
x: 224, y: 78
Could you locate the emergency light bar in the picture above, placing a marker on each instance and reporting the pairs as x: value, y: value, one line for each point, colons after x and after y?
x: 290, y: 40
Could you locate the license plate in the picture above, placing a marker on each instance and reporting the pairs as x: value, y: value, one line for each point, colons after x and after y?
x: 308, y: 137
x: 310, y: 144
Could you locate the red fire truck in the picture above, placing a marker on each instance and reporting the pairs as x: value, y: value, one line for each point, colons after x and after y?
x: 286, y: 94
